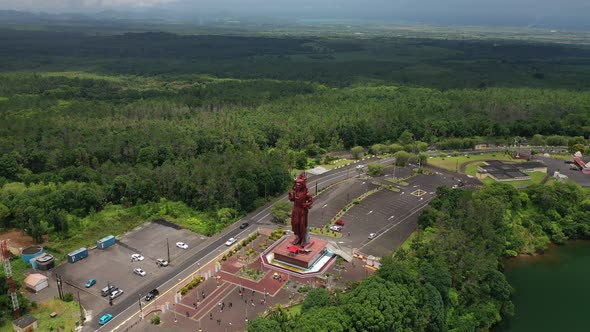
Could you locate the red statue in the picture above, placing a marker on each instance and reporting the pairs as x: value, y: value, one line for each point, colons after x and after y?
x: 302, y: 200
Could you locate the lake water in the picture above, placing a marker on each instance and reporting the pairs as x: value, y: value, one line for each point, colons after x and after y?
x: 552, y: 290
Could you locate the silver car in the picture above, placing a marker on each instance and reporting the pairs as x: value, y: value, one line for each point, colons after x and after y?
x: 139, y: 272
x: 116, y: 294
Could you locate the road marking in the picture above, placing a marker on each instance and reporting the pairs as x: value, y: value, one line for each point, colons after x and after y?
x: 370, y: 212
x: 390, y: 218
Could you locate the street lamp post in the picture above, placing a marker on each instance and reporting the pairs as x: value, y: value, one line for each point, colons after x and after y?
x: 140, y: 308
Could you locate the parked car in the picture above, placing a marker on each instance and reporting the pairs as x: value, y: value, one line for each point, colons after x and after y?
x: 116, y: 294
x: 336, y: 228
x: 90, y: 283
x: 339, y: 222
x: 151, y: 294
x: 105, y: 319
x: 136, y: 257
x: 108, y: 290
x: 568, y: 162
x: 231, y: 241
x: 161, y: 262
x: 139, y: 272
x: 244, y: 225
x: 573, y: 168
x: 181, y: 245
x: 372, y: 236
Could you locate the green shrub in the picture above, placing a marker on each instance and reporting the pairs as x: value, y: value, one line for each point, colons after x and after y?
x: 156, y: 320
x: 68, y: 297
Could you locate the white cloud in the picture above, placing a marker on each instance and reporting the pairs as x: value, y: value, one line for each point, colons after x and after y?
x: 61, y: 5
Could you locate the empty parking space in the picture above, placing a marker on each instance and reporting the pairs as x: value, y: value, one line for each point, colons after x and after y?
x: 338, y: 197
x: 150, y: 241
x: 392, y: 216
x: 113, y: 265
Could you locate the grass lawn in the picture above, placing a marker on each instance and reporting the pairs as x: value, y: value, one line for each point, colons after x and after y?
x: 316, y: 230
x: 536, y: 178
x: 294, y: 310
x: 336, y: 164
x: 471, y: 169
x: 454, y: 163
x: 67, y: 315
x: 398, y: 181
x: 18, y: 269
x: 561, y: 156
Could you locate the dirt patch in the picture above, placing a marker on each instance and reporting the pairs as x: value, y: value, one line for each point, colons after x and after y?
x: 18, y: 239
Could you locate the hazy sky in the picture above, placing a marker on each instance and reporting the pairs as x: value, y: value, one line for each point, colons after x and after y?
x: 523, y: 11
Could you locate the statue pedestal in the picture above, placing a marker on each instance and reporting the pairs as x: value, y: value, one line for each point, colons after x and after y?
x: 305, y: 257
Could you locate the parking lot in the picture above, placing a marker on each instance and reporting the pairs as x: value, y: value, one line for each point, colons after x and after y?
x: 554, y: 165
x: 113, y: 265
x: 391, y: 215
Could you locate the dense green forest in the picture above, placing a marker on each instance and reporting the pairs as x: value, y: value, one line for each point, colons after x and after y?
x: 74, y: 143
x: 334, y: 60
x: 450, y: 278
x: 113, y: 130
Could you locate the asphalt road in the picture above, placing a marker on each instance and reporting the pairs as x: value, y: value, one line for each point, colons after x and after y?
x: 127, y: 305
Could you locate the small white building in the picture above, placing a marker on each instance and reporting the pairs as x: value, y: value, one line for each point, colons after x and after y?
x: 36, y: 282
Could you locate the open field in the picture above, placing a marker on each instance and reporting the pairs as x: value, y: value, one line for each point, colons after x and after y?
x: 536, y: 178
x: 67, y: 315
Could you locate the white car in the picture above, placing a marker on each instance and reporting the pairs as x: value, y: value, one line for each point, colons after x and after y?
x: 372, y: 236
x: 161, y: 262
x: 139, y: 272
x: 359, y: 166
x: 136, y: 257
x: 231, y: 241
x: 336, y: 228
x: 181, y: 245
x: 116, y: 293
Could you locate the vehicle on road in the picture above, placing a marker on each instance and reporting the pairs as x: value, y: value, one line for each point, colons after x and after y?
x: 116, y: 294
x: 105, y: 319
x: 90, y: 283
x: 574, y: 168
x: 151, y: 294
x: 231, y: 241
x: 139, y: 272
x: 161, y: 262
x: 136, y: 257
x: 336, y: 228
x: 359, y: 166
x: 339, y: 222
x: 108, y: 290
x: 372, y: 236
x: 181, y: 245
x: 244, y: 225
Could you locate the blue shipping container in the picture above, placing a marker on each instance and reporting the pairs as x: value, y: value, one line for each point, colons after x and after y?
x: 105, y: 242
x: 77, y: 255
